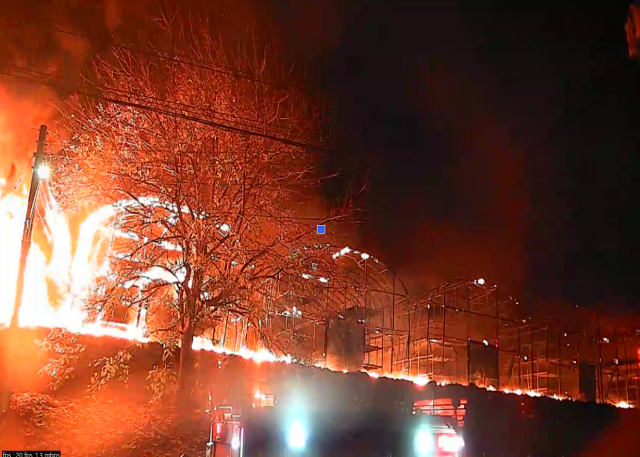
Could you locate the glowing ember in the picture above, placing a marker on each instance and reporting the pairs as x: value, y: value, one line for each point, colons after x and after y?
x: 421, y: 381
x: 624, y: 405
x: 257, y: 356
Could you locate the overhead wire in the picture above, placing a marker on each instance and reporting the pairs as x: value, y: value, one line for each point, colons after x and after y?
x: 208, y: 122
x: 226, y: 71
x: 201, y: 110
x: 101, y: 90
x: 271, y: 130
x: 238, y: 73
x: 311, y: 219
x: 165, y: 112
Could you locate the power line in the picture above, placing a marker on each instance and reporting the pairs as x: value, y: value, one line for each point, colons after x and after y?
x: 203, y: 121
x: 165, y: 112
x: 330, y: 219
x: 201, y: 110
x: 216, y: 125
x: 273, y: 129
x: 237, y: 73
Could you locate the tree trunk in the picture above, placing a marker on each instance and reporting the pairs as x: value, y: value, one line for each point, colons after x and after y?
x: 185, y: 368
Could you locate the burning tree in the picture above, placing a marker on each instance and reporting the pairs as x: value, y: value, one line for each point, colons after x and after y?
x: 206, y: 217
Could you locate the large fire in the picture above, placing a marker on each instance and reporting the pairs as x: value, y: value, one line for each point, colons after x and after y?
x: 60, y: 271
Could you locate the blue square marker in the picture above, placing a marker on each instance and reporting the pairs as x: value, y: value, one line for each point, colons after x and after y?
x: 321, y: 230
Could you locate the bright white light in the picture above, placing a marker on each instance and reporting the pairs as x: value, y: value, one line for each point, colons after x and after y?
x: 44, y: 172
x: 324, y: 280
x: 365, y: 256
x: 421, y: 381
x: 423, y: 443
x: 297, y: 436
x: 624, y: 405
x: 480, y: 281
x: 235, y: 443
x: 224, y: 227
x: 485, y: 342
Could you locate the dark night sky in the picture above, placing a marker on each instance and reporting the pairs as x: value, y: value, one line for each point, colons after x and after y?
x: 502, y: 138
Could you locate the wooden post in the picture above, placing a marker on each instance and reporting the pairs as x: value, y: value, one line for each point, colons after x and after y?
x: 600, y: 385
x: 467, y: 327
x: 444, y: 327
x: 533, y: 377
x: 637, y: 370
x: 519, y: 360
x: 560, y: 361
x: 409, y: 338
x: 497, y: 336
x: 28, y: 224
x: 615, y: 342
x: 429, y: 352
x: 547, y: 356
x: 626, y: 364
x: 393, y: 319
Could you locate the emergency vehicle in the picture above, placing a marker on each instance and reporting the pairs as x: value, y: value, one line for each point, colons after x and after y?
x: 226, y: 434
x: 294, y: 426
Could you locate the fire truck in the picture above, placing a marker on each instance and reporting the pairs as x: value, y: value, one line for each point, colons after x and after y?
x: 440, y: 435
x: 226, y: 433
x: 296, y: 425
x: 291, y: 411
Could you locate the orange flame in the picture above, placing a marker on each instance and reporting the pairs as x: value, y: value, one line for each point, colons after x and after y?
x: 71, y: 271
x: 74, y: 271
x: 49, y: 262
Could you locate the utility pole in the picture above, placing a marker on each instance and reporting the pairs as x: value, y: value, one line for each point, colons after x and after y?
x: 40, y: 171
x: 36, y: 176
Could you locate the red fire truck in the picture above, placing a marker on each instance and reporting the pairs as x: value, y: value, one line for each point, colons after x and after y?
x: 226, y: 435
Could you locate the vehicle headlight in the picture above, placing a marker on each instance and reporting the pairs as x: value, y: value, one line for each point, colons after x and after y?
x: 423, y: 443
x: 297, y: 436
x: 235, y: 442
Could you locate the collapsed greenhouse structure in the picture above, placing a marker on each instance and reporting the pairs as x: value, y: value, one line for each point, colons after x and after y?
x: 463, y: 331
